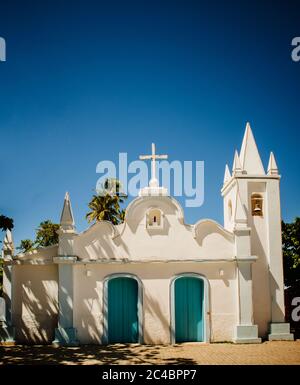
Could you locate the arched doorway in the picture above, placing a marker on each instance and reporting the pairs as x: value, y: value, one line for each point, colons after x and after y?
x: 188, y: 309
x: 122, y: 310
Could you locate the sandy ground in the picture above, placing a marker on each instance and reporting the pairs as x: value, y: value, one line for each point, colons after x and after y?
x: 282, y: 352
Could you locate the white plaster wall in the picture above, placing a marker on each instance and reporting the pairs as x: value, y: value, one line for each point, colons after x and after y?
x: 156, y: 279
x: 35, y: 307
x: 40, y: 255
x: 274, y: 248
x: 260, y: 270
x: 229, y: 196
x: 134, y: 241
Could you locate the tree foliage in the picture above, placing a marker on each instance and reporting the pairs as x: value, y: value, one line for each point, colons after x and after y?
x: 6, y: 223
x: 26, y: 245
x: 291, y: 252
x: 106, y: 204
x: 46, y: 234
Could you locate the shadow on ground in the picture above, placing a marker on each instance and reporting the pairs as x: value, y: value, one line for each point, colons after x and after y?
x: 88, y: 354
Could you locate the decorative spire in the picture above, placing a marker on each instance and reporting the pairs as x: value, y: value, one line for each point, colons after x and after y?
x: 272, y: 166
x: 8, y: 244
x: 249, y: 155
x: 227, y: 174
x: 237, y: 167
x: 67, y: 219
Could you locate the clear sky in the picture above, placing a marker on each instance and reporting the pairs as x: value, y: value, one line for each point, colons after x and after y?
x: 85, y: 80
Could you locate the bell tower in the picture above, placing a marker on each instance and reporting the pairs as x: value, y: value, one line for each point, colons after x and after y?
x: 259, y: 195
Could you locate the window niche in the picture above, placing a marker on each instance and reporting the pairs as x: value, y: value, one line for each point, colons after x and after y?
x: 257, y: 205
x: 154, y: 219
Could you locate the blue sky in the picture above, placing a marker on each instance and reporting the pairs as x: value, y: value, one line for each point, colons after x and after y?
x: 85, y: 80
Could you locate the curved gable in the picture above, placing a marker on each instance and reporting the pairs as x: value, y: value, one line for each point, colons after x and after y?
x: 213, y: 238
x: 97, y: 242
x: 174, y: 240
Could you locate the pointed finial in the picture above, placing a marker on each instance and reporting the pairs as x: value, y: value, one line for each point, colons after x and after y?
x: 8, y: 244
x: 237, y: 167
x: 227, y: 174
x: 249, y: 155
x: 272, y: 166
x: 67, y: 219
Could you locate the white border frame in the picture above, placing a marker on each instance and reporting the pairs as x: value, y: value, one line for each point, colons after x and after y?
x: 139, y: 305
x: 206, y: 305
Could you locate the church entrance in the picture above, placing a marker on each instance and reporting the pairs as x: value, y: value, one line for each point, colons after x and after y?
x: 123, y: 322
x: 188, y: 292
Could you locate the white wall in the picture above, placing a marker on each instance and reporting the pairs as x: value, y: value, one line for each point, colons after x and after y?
x: 156, y: 279
x: 35, y: 302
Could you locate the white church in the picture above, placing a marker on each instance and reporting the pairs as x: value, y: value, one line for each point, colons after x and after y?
x: 155, y: 279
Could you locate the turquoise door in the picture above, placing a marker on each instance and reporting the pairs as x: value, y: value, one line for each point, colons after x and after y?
x: 188, y: 309
x: 122, y: 310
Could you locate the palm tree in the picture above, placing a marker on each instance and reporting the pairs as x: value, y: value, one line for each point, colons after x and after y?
x: 46, y: 234
x: 105, y: 205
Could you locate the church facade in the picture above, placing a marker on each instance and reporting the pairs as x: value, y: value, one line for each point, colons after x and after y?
x: 155, y: 279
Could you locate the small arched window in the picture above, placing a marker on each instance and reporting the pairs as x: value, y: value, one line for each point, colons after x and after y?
x: 154, y: 218
x: 257, y: 205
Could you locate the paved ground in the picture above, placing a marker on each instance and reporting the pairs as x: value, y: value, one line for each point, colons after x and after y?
x: 190, y: 353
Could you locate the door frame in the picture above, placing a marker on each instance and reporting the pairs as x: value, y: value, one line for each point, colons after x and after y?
x: 205, y: 308
x: 105, y: 305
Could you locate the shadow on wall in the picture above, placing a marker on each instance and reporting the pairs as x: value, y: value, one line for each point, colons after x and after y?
x: 91, y: 321
x: 159, y: 318
x: 88, y: 321
x: 208, y: 227
x: 109, y: 354
x: 261, y: 281
x: 36, y: 315
x: 99, y: 243
x: 5, y: 296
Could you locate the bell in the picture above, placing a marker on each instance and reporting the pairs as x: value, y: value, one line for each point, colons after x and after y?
x: 257, y: 208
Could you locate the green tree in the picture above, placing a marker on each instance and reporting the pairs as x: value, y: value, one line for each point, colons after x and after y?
x: 106, y: 204
x: 26, y: 245
x: 46, y: 234
x: 6, y: 223
x: 291, y: 252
